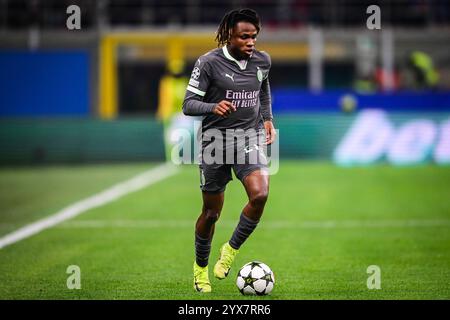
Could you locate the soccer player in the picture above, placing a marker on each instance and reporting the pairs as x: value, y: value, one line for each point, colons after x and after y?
x: 229, y: 88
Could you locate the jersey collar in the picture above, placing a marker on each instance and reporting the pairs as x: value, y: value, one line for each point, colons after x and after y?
x: 242, y: 65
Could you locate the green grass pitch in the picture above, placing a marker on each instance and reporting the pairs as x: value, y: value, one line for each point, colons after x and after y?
x: 322, y: 227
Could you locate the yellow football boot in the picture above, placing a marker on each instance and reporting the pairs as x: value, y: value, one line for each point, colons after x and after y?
x: 201, y: 279
x: 222, y: 267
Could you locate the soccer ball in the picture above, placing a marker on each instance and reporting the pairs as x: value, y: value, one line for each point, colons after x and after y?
x: 255, y: 278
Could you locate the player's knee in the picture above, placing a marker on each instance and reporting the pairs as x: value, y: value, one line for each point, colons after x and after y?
x: 212, y: 215
x: 258, y: 199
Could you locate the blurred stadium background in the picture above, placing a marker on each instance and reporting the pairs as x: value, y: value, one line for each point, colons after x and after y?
x: 65, y: 84
x: 83, y: 109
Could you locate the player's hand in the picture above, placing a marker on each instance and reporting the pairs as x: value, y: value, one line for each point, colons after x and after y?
x: 270, y: 132
x: 224, y: 108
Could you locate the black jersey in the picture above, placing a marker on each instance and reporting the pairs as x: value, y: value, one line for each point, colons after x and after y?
x: 218, y: 76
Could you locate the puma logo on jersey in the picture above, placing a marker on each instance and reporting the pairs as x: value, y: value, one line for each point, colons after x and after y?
x: 231, y: 77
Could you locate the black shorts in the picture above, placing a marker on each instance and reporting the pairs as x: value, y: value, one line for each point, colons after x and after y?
x: 215, y: 176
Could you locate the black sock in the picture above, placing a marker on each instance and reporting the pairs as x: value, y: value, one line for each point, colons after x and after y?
x: 202, y: 249
x: 243, y: 230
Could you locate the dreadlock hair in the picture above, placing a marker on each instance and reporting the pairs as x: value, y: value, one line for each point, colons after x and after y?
x: 230, y: 20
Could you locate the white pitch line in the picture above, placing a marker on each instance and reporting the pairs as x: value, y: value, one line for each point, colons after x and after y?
x: 328, y: 224
x: 115, y: 192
